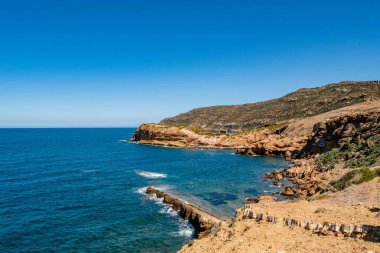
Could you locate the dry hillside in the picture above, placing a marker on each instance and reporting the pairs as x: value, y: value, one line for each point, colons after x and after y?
x: 299, y: 104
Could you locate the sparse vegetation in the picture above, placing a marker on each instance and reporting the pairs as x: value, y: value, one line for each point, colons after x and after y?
x: 203, y: 132
x: 363, y: 154
x: 367, y: 155
x: 356, y: 176
x: 299, y: 104
x: 272, y: 128
x: 328, y: 160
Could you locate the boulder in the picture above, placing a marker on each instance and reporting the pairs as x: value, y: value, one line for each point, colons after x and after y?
x: 278, y: 177
x: 260, y: 198
x: 288, y: 191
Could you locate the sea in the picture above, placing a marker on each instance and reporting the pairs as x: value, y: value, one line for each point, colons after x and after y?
x: 82, y: 190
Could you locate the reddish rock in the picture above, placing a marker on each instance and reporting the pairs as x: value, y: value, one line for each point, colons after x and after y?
x: 288, y: 191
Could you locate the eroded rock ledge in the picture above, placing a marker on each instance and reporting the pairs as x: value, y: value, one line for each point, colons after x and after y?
x: 322, y: 228
x: 202, y: 222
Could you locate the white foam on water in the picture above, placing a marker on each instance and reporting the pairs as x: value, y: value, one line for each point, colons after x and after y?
x: 142, y: 190
x: 88, y: 171
x: 167, y: 209
x: 185, y: 228
x: 149, y: 174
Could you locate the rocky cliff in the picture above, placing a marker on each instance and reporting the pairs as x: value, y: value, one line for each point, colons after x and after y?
x: 345, y: 130
x: 286, y: 138
x: 348, y: 143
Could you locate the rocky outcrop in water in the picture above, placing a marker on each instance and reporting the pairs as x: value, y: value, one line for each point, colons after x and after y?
x: 202, y: 222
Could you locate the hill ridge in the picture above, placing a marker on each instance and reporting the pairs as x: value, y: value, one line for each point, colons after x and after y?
x: 304, y: 102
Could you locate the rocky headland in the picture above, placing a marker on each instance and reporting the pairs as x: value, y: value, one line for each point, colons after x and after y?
x: 330, y: 134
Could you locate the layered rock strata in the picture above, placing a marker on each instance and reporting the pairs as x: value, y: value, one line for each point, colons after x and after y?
x: 325, y: 228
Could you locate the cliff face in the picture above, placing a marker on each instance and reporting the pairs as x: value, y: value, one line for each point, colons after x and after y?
x: 263, y: 141
x: 289, y: 139
x: 345, y: 130
x: 300, y: 104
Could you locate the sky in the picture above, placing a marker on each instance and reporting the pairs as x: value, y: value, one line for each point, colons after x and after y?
x: 114, y: 63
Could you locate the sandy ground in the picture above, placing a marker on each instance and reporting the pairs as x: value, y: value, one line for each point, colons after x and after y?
x: 355, y: 205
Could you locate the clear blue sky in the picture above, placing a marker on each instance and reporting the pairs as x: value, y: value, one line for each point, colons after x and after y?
x: 120, y: 63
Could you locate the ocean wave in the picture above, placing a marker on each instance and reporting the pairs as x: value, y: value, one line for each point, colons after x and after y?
x: 185, y: 228
x: 142, y: 190
x: 149, y: 174
x: 167, y: 209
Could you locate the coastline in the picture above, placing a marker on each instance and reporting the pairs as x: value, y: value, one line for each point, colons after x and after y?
x: 203, y: 222
x: 296, y: 142
x: 298, y: 146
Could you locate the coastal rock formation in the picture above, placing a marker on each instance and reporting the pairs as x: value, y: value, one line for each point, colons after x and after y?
x: 325, y: 228
x: 322, y: 137
x: 300, y: 141
x: 260, y: 199
x: 343, y: 221
x: 340, y: 131
x: 202, y: 222
x: 285, y: 139
x: 162, y: 135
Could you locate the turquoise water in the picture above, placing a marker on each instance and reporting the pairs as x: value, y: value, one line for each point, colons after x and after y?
x: 79, y: 190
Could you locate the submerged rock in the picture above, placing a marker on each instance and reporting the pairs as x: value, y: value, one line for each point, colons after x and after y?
x: 217, y: 198
x: 251, y: 191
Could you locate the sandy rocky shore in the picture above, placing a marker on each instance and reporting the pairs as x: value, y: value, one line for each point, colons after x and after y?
x: 316, y: 217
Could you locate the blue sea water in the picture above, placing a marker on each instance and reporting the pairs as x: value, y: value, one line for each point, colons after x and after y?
x: 79, y: 190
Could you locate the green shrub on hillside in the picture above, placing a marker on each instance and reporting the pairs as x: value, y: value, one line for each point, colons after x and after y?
x: 354, y: 155
x: 357, y: 176
x: 328, y: 160
x: 368, y: 155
